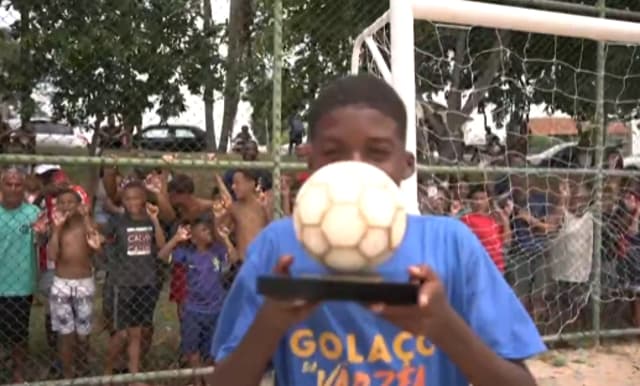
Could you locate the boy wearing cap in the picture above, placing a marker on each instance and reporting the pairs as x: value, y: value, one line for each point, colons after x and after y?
x: 73, y: 242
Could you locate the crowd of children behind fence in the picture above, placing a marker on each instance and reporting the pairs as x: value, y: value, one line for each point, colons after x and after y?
x: 541, y: 239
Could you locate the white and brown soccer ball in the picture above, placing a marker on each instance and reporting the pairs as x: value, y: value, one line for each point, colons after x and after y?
x: 350, y: 216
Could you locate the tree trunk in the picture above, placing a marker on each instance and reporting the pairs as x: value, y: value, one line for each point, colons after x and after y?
x: 208, y: 89
x: 447, y: 132
x: 26, y: 103
x: 239, y: 33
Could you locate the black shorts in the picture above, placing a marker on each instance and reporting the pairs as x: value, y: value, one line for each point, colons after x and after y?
x: 15, y: 312
x: 133, y: 306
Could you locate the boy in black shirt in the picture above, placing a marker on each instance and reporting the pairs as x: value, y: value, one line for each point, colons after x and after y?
x: 135, y: 237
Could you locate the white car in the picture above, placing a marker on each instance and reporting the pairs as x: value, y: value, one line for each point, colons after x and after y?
x: 536, y: 159
x: 59, y: 135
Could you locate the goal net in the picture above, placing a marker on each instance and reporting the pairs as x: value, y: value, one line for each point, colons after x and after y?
x: 527, y: 91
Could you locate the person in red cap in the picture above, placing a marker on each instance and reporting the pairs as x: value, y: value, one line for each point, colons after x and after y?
x: 73, y: 241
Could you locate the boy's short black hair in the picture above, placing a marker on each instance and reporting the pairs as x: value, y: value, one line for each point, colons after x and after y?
x: 359, y: 90
x: 69, y: 191
x: 203, y: 219
x: 134, y: 184
x: 181, y: 184
x: 478, y: 188
x: 249, y: 174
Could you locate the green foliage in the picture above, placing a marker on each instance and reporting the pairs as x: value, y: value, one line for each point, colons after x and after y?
x: 318, y: 40
x: 117, y: 58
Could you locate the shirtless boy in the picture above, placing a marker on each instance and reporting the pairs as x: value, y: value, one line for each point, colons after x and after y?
x: 247, y: 215
x: 74, y: 240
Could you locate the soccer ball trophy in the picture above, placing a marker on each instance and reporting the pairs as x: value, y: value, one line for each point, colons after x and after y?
x: 349, y: 216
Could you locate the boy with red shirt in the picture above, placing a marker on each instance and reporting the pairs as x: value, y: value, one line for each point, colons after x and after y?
x: 492, y: 229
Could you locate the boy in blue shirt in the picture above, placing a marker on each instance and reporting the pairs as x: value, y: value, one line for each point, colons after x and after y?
x: 468, y: 326
x: 195, y: 247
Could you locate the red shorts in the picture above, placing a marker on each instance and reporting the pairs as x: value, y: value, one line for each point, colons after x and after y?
x: 178, y: 287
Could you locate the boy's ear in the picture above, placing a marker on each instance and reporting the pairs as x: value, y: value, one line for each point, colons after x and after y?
x: 410, y: 165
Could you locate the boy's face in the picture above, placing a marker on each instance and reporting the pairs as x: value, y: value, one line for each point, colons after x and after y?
x: 242, y: 186
x: 580, y: 200
x: 354, y: 133
x: 480, y: 202
x: 201, y: 234
x: 134, y: 200
x: 67, y: 203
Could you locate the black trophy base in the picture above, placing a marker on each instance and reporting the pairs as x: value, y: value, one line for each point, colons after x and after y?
x: 362, y: 289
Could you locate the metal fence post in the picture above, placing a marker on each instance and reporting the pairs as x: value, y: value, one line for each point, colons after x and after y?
x: 276, y: 117
x: 598, y: 185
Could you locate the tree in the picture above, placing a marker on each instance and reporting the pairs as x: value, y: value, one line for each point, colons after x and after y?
x: 118, y: 58
x: 318, y: 38
x: 507, y: 72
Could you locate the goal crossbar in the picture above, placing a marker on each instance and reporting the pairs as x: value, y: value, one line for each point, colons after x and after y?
x: 400, y: 72
x: 526, y: 20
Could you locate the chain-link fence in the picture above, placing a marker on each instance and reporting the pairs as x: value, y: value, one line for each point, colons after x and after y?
x: 128, y: 129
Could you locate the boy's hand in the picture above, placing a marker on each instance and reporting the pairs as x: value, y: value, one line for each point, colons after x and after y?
x: 94, y: 238
x: 153, y: 183
x: 429, y: 314
x: 152, y: 211
x: 183, y: 233
x: 41, y: 225
x: 58, y: 217
x: 219, y: 208
x: 224, y: 231
x: 83, y: 210
x: 170, y: 157
x: 285, y: 313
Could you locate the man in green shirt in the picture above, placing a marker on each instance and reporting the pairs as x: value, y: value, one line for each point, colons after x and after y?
x: 18, y: 262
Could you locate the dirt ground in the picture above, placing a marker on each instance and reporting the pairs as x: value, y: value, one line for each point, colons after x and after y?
x: 616, y: 365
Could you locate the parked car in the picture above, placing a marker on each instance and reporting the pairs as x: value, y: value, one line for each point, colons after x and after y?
x: 49, y: 134
x: 58, y: 135
x: 170, y: 138
x: 571, y: 155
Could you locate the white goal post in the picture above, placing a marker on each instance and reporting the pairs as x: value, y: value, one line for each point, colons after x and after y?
x: 402, y: 14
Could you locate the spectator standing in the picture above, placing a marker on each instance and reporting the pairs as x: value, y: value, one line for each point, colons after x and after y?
x: 571, y: 253
x: 531, y: 221
x: 296, y: 131
x: 622, y: 242
x: 188, y: 207
x: 53, y: 180
x: 247, y: 216
x: 136, y: 237
x: 196, y: 248
x: 18, y: 262
x: 492, y: 229
x: 241, y: 139
x: 249, y: 154
x: 72, y: 244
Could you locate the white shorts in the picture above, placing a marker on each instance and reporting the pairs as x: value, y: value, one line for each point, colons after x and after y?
x: 71, y: 305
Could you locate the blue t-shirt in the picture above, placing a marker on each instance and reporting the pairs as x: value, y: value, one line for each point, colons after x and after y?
x: 205, y: 292
x: 344, y: 336
x: 525, y: 237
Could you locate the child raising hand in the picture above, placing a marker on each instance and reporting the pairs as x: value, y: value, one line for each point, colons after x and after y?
x: 196, y: 247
